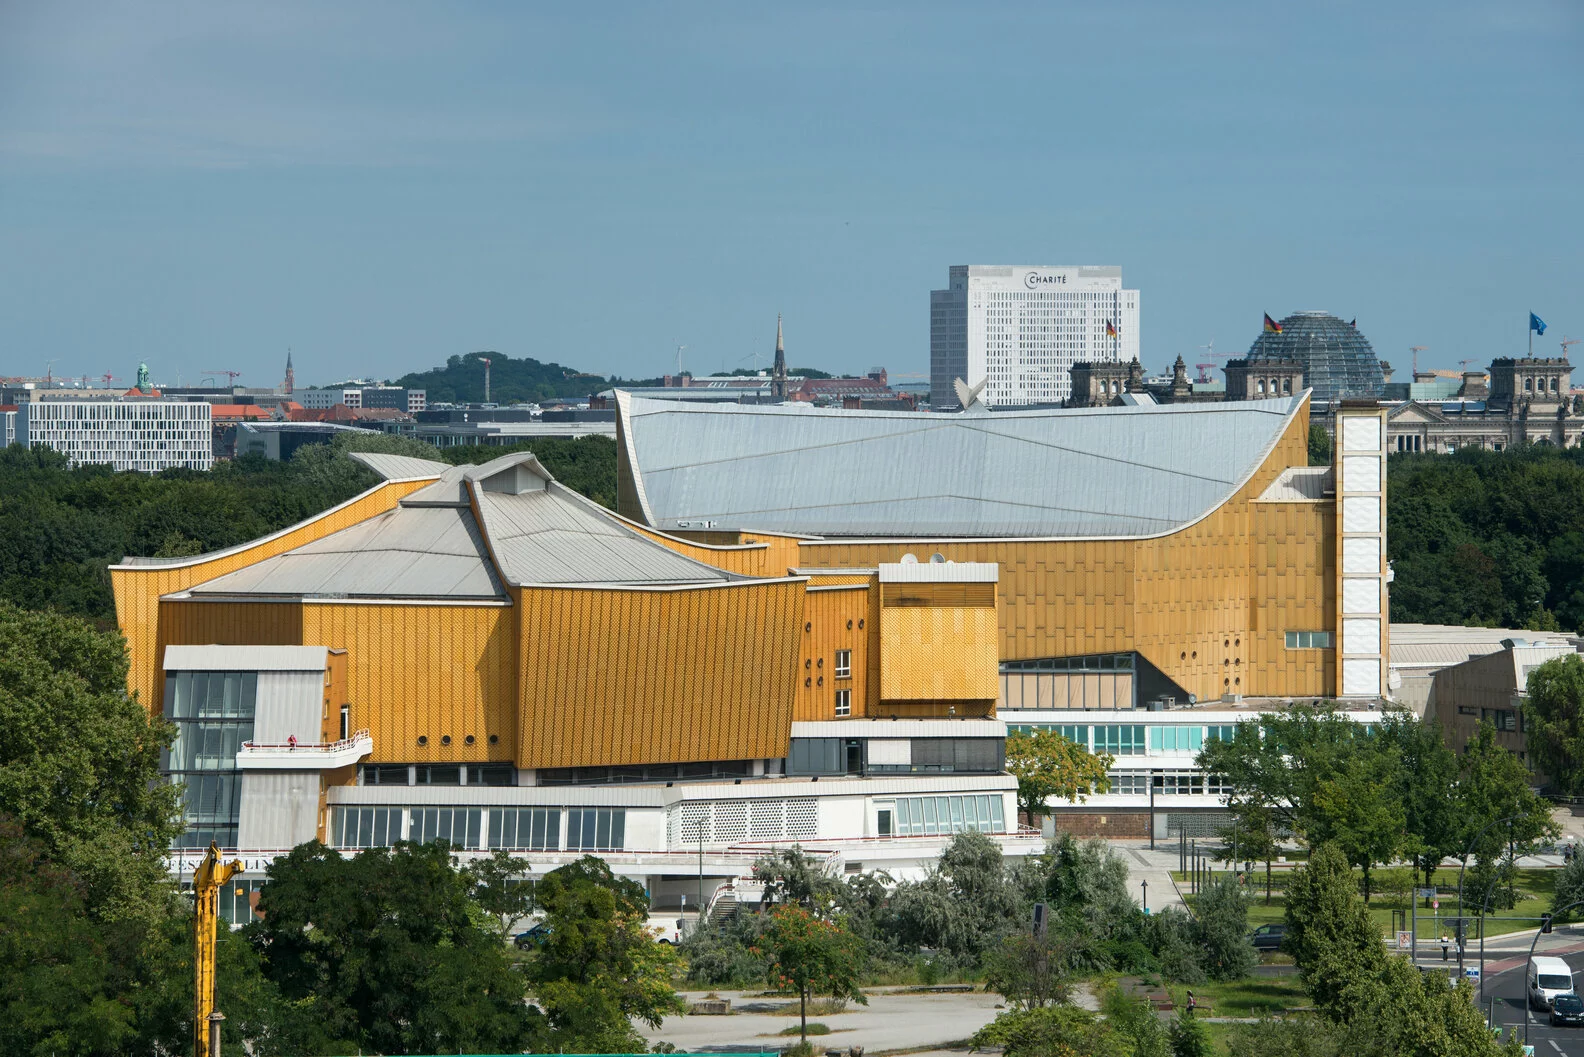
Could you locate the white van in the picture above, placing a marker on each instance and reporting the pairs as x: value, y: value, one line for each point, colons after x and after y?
x: 1548, y: 977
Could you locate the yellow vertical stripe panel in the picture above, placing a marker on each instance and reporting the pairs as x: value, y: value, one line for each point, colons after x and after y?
x: 834, y: 618
x: 426, y: 671
x: 939, y: 653
x: 1181, y: 600
x: 138, y: 589
x: 613, y: 676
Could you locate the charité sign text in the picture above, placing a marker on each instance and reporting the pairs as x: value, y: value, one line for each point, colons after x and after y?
x: 1042, y: 280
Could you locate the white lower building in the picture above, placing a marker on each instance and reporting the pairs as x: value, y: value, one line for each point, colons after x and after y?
x: 1020, y: 328
x: 146, y: 435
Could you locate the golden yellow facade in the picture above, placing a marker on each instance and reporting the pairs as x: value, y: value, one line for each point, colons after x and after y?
x: 1209, y: 604
x: 836, y: 620
x: 939, y: 653
x: 1191, y: 602
x: 612, y: 676
x: 138, y: 588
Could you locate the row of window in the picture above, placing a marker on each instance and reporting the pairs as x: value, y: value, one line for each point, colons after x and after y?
x: 1308, y: 640
x: 512, y: 828
x: 919, y: 816
x: 1170, y: 783
x: 438, y: 774
x: 1129, y: 739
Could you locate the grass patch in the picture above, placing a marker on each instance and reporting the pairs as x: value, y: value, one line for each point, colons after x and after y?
x: 1538, y: 885
x: 1250, y: 997
x: 813, y: 1029
x: 826, y: 1007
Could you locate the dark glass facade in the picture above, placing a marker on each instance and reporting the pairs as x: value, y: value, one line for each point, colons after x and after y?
x: 1338, y: 361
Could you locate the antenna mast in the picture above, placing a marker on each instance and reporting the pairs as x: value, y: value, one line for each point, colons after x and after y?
x: 486, y: 362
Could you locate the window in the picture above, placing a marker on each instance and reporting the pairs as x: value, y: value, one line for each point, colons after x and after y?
x: 844, y: 702
x: 596, y: 829
x: 1468, y: 710
x: 1501, y: 718
x: 1119, y: 739
x: 815, y: 756
x: 1225, y: 732
x: 1176, y: 739
x: 1181, y: 783
x: 931, y: 815
x: 1129, y: 781
x: 385, y: 774
x: 843, y: 664
x: 367, y: 827
x: 436, y: 774
x: 1308, y: 640
x: 458, y: 825
x: 525, y: 828
x: 213, y: 713
x: 493, y: 774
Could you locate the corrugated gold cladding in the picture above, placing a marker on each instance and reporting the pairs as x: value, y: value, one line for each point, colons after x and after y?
x: 138, y: 590
x: 943, y: 653
x: 834, y: 620
x: 612, y: 676
x: 1208, y: 605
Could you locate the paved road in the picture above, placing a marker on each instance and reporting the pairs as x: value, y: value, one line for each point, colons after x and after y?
x: 1505, y: 999
x: 889, y: 1022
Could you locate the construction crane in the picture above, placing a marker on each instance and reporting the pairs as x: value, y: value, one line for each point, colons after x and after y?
x: 231, y: 376
x: 1211, y: 355
x: 485, y: 360
x: 107, y: 378
x: 49, y: 373
x: 1416, y: 350
x: 210, y: 875
x: 1566, y: 341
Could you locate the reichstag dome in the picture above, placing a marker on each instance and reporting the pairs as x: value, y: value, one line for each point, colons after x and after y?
x: 1338, y: 362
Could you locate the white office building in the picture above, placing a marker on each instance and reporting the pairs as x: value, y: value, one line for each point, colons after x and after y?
x: 1020, y: 328
x: 147, y: 435
x: 324, y: 399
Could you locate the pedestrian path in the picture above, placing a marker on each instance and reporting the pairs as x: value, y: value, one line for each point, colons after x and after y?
x: 1149, y: 872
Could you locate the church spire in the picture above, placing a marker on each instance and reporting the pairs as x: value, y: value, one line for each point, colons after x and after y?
x: 291, y: 376
x: 778, y: 375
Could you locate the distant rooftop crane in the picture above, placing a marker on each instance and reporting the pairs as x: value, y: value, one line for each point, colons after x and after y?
x: 231, y: 376
x: 1566, y: 341
x: 107, y: 378
x: 485, y: 360
x: 1416, y: 350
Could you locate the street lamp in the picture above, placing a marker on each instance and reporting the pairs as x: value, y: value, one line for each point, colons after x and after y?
x: 1144, y: 885
x: 1463, y: 865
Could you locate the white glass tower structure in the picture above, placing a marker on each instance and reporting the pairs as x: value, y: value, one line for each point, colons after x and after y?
x: 1020, y: 328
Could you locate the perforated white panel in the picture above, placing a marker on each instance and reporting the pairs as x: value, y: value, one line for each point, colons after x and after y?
x: 731, y: 821
x: 1361, y: 434
x: 1361, y: 635
x: 1361, y: 554
x: 1361, y: 473
x: 1361, y: 676
x: 734, y: 821
x: 766, y: 819
x: 802, y: 819
x: 1361, y: 513
x: 1361, y: 595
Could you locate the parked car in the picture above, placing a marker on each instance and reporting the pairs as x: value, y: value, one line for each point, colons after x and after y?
x: 1548, y: 978
x: 1567, y: 1009
x: 1268, y: 938
x: 532, y: 938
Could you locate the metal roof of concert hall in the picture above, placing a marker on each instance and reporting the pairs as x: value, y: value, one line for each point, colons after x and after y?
x: 466, y: 535
x: 1085, y: 472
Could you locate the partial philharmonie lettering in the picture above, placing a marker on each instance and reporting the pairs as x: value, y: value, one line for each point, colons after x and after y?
x: 1034, y: 280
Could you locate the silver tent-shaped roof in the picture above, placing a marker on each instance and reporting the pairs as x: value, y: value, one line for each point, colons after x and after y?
x: 1095, y: 472
x: 466, y: 535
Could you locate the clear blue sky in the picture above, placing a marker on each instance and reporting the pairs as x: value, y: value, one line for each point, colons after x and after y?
x: 380, y: 185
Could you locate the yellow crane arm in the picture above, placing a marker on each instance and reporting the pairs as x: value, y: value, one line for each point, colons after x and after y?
x: 207, y: 879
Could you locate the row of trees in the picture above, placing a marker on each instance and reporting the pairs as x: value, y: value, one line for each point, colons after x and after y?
x: 1379, y: 795
x: 60, y: 527
x: 972, y: 915
x: 1489, y: 538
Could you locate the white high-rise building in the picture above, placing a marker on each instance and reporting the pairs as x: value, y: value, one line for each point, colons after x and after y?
x: 147, y: 435
x: 1020, y: 328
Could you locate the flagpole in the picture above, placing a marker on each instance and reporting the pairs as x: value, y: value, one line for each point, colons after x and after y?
x: 1530, y: 321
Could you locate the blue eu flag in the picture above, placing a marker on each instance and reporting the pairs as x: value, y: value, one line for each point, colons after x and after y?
x: 1536, y: 324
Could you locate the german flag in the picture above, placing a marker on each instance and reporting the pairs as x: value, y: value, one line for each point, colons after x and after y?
x: 1111, y: 329
x: 1271, y: 326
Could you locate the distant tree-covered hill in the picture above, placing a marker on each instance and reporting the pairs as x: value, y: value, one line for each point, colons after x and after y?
x: 527, y: 380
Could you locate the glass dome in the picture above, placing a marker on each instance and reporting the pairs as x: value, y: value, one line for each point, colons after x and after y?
x: 1338, y: 361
